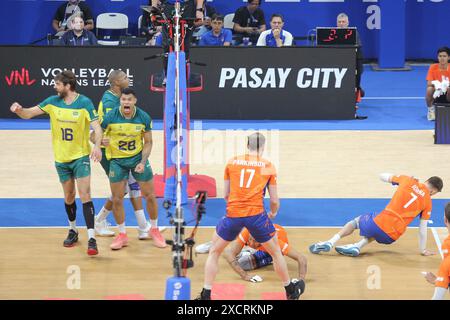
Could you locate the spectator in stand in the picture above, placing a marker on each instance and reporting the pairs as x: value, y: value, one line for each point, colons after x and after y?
x: 147, y: 29
x: 343, y: 22
x: 437, y: 82
x: 218, y: 36
x: 77, y: 35
x: 209, y: 12
x: 249, y: 22
x: 66, y: 10
x: 276, y: 36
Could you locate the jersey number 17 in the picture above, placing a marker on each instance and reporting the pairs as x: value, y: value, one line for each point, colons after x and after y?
x: 249, y: 181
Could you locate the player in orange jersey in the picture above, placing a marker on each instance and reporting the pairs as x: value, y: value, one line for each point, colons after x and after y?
x: 256, y: 256
x: 246, y: 179
x: 411, y: 199
x: 442, y: 280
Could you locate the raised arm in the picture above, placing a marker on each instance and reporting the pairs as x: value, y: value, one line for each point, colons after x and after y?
x: 26, y: 113
x: 386, y: 177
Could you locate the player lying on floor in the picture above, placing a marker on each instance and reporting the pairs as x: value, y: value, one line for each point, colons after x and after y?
x: 245, y: 254
x: 411, y: 199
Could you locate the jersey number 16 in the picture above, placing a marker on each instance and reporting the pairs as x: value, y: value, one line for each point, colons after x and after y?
x: 67, y: 134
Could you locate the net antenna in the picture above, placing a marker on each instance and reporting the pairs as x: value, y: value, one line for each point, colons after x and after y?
x: 176, y: 149
x: 179, y: 216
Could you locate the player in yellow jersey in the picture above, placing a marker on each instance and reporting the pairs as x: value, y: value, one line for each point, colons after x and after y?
x: 71, y: 114
x: 111, y: 100
x: 130, y: 145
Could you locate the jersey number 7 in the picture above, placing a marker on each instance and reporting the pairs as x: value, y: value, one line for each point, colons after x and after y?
x: 414, y: 197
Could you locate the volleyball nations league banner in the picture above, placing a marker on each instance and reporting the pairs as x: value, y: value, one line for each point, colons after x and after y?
x: 239, y: 83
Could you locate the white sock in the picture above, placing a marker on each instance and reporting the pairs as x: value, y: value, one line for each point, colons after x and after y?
x: 122, y: 228
x: 140, y: 217
x: 362, y: 243
x: 91, y: 234
x: 154, y: 223
x: 207, y: 287
x: 102, y: 214
x: 335, y: 239
x: 73, y: 225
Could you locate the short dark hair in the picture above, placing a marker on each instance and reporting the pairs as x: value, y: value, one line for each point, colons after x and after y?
x: 277, y: 15
x: 250, y: 1
x: 444, y: 49
x: 128, y: 91
x: 436, y: 183
x: 217, y: 16
x: 67, y: 77
x: 447, y: 211
x: 255, y: 141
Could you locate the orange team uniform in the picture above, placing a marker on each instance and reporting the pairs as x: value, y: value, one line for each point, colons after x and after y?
x: 244, y: 239
x: 443, y: 276
x: 434, y: 73
x: 411, y: 199
x: 249, y: 176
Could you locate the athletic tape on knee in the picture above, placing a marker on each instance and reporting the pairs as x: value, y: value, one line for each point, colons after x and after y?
x: 134, y: 186
x: 135, y: 193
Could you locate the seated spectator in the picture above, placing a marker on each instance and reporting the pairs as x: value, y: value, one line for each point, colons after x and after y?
x: 156, y: 39
x: 437, y: 82
x: 206, y: 24
x: 78, y: 35
x: 343, y: 22
x: 276, y: 36
x: 249, y: 22
x: 66, y: 10
x: 218, y: 36
x: 147, y: 29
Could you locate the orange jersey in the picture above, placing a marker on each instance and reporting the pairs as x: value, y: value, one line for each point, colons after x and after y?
x: 434, y: 73
x: 244, y: 239
x: 443, y: 276
x: 249, y: 176
x: 411, y: 199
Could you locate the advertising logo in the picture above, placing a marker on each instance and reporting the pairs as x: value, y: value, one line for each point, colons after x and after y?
x: 19, y: 78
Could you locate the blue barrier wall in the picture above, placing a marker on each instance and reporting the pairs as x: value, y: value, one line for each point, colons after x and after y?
x: 426, y: 21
